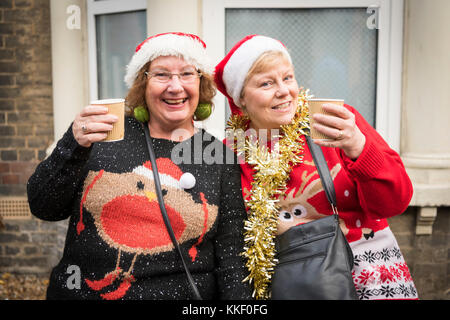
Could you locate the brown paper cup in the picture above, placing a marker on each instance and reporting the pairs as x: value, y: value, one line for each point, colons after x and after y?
x: 116, y: 107
x: 316, y: 105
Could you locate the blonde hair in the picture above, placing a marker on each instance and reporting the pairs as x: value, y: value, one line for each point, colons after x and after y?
x: 136, y: 94
x: 266, y: 61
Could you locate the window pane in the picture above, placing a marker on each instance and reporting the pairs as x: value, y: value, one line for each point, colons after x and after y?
x: 334, y: 53
x: 117, y: 35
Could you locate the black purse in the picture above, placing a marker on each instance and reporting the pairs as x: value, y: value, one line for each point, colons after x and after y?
x: 315, y: 261
x: 164, y: 212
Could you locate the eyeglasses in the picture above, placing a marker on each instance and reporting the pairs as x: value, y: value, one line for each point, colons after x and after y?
x: 164, y: 77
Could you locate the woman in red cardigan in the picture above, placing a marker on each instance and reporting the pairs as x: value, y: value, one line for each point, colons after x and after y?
x: 257, y: 77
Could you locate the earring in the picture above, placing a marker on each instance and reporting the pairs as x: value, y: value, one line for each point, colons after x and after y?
x: 203, y: 111
x: 141, y: 114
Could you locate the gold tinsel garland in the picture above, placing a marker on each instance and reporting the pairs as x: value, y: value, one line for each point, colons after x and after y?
x: 272, y: 169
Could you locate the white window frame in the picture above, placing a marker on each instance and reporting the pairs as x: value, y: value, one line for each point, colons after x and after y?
x: 98, y: 8
x: 389, y: 55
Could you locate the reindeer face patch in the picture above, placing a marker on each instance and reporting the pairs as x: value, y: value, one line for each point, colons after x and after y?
x: 295, y: 207
x: 128, y: 218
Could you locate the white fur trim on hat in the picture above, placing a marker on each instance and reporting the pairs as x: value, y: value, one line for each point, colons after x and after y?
x: 170, y: 44
x: 166, y: 180
x: 237, y: 67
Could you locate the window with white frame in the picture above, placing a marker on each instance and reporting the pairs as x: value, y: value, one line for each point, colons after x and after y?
x: 348, y: 49
x: 115, y: 28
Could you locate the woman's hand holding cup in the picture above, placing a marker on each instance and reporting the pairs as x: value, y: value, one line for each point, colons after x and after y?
x: 92, y: 124
x: 338, y: 124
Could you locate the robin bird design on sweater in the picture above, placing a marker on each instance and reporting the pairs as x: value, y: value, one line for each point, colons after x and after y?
x: 127, y: 217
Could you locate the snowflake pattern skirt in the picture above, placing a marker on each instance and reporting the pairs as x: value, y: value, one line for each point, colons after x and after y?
x: 380, y: 271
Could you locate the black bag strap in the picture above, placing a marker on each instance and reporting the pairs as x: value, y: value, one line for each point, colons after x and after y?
x: 163, y: 209
x: 324, y: 172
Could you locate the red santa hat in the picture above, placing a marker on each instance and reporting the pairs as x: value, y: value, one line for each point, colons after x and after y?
x: 187, y: 46
x: 231, y: 72
x: 169, y: 174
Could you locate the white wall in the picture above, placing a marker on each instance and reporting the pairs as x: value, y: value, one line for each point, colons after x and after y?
x: 69, y: 63
x: 426, y: 100
x: 425, y: 142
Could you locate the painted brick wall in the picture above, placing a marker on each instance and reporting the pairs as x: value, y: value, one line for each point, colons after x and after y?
x: 26, y: 130
x: 26, y: 111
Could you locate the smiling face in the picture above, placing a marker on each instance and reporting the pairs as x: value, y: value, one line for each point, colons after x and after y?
x: 171, y: 104
x: 269, y: 97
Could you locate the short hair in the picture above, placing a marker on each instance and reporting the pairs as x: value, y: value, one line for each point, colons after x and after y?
x: 265, y: 61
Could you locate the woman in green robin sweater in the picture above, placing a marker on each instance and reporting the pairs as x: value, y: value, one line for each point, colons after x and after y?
x: 116, y: 235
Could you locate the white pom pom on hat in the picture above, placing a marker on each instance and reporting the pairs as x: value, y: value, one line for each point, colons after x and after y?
x: 187, y: 46
x: 187, y: 180
x: 230, y: 73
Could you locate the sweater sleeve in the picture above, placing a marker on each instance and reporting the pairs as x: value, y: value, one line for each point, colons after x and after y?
x: 383, y: 186
x: 231, y: 269
x: 55, y: 183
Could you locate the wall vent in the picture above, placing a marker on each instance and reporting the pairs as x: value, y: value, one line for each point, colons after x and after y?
x: 16, y: 208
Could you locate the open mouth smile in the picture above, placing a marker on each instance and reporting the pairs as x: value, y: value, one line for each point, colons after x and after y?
x: 282, y: 107
x: 175, y: 102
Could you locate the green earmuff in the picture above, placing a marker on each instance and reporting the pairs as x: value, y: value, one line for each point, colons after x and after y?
x: 203, y: 111
x: 141, y: 114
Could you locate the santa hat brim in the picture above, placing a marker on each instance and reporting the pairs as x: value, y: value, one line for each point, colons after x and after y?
x: 169, y: 173
x: 230, y: 73
x: 186, y: 46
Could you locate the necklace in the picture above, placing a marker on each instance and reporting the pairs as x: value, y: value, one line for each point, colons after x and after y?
x: 271, y: 173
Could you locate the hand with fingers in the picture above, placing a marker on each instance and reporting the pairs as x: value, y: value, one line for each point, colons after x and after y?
x: 340, y: 124
x: 92, y: 124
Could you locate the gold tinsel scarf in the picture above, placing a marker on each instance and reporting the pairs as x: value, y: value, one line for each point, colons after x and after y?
x: 272, y: 169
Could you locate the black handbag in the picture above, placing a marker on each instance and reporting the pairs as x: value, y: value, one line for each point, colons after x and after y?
x: 164, y: 212
x: 315, y: 261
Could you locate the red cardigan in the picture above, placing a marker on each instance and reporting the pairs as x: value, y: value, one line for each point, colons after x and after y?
x: 368, y: 190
